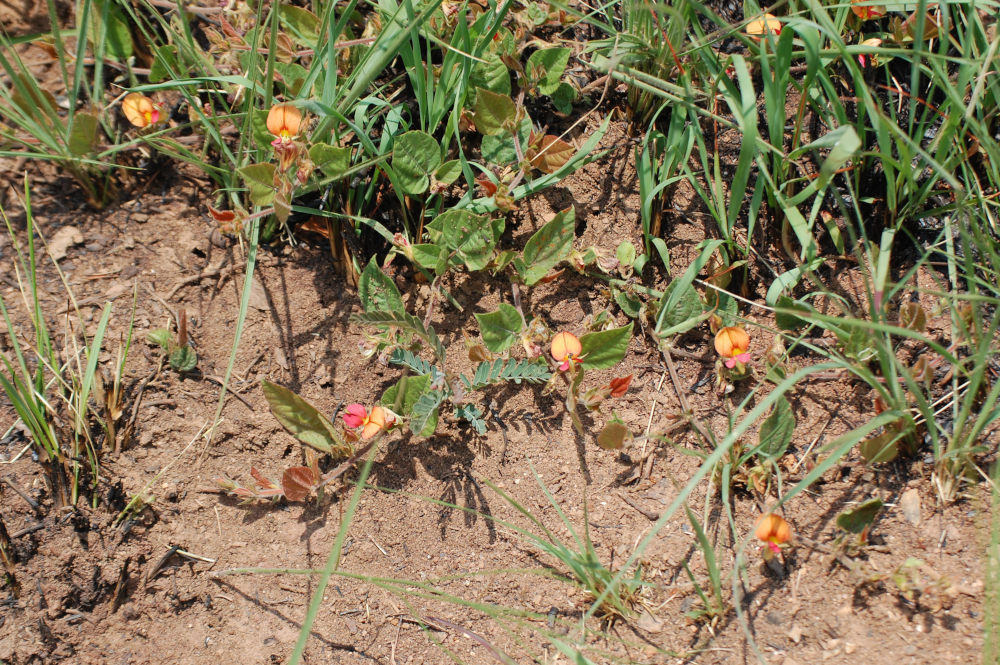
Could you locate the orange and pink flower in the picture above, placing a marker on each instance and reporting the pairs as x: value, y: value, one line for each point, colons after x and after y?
x: 566, y: 350
x: 774, y: 531
x: 284, y: 122
x: 371, y: 423
x: 733, y: 343
x: 140, y: 110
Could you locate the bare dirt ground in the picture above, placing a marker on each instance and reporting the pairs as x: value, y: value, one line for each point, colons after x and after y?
x: 298, y: 335
x: 97, y: 593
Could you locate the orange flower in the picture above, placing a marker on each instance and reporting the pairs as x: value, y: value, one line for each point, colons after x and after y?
x: 774, y: 531
x: 732, y: 344
x: 284, y: 120
x: 140, y: 110
x: 566, y: 349
x: 761, y: 26
x: 868, y: 11
x: 373, y: 423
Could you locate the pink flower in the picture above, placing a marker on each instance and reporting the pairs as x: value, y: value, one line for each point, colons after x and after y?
x: 355, y: 416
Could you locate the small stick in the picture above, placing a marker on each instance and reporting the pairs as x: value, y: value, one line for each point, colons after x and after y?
x: 345, y: 465
x: 232, y: 392
x: 218, y: 271
x: 682, y: 398
x: 155, y: 569
x: 454, y: 627
x: 651, y: 516
x: 196, y: 557
x: 392, y: 651
x: 38, y: 526
x: 121, y: 586
x: 375, y: 543
x: 31, y: 502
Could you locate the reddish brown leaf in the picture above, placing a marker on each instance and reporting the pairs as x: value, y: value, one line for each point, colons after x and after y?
x: 297, y: 482
x: 262, y: 481
x: 554, y: 275
x: 222, y: 216
x: 314, y: 225
x: 619, y: 386
x: 478, y: 353
x: 488, y: 186
x: 552, y: 154
x: 879, y: 405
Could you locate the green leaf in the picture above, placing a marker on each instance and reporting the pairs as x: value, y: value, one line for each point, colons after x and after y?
x: 499, y: 150
x: 548, y: 246
x: 536, y: 13
x: 294, y: 75
x: 725, y: 306
x: 776, y: 432
x: 164, y: 64
x: 613, y: 436
x: 414, y: 387
x: 625, y: 254
x: 563, y: 97
x: 784, y: 318
x: 605, y: 348
x: 525, y: 369
x: 378, y: 293
x: 424, y: 418
x: 183, y: 359
x: 629, y: 303
x: 407, y: 358
x: 332, y: 161
x: 862, y: 517
x: 302, y: 23
x: 83, y: 133
x: 258, y: 127
x: 470, y: 236
x: 304, y: 421
x: 493, y: 112
x: 259, y: 179
x: 431, y: 257
x: 117, y: 36
x: 491, y: 74
x: 500, y: 329
x: 684, y: 314
x: 546, y: 66
x: 472, y: 414
x: 415, y: 155
x: 448, y: 172
x: 404, y: 321
x: 161, y: 337
x: 419, y: 403
x: 884, y: 447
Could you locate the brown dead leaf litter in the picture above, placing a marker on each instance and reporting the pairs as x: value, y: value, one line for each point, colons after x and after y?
x: 96, y: 594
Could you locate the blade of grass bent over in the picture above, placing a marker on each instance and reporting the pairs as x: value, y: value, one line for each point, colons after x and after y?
x: 332, y: 561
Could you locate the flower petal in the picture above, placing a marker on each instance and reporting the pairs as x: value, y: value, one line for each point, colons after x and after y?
x: 565, y: 344
x: 355, y: 415
x: 139, y: 109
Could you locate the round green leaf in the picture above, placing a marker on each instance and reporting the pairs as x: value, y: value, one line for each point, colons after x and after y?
x: 500, y: 329
x: 415, y: 155
x: 183, y: 359
x: 605, y: 348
